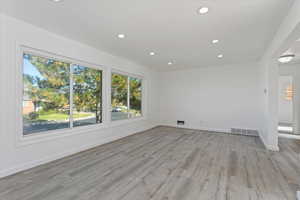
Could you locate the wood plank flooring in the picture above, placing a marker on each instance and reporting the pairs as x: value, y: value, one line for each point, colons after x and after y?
x: 166, y: 164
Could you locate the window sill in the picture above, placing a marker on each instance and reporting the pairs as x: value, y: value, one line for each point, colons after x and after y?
x: 56, y: 134
x: 126, y: 121
x: 68, y: 132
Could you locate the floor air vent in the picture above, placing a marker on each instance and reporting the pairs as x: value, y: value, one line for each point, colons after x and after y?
x: 247, y: 132
x: 180, y: 123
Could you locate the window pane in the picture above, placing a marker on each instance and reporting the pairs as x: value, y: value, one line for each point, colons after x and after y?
x: 135, y: 86
x: 87, y: 96
x: 46, y: 94
x: 119, y: 90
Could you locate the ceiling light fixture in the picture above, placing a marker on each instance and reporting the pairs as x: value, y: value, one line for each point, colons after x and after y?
x: 152, y: 53
x: 203, y: 10
x: 220, y: 56
x: 170, y: 63
x: 56, y: 1
x: 121, y: 36
x: 215, y: 41
x: 286, y: 58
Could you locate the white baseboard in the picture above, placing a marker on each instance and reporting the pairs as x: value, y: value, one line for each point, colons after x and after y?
x: 267, y: 146
x: 289, y: 136
x: 272, y: 147
x: 35, y: 163
x: 28, y: 165
x: 45, y: 160
x: 217, y: 130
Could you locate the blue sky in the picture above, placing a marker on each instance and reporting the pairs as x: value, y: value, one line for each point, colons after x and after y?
x: 30, y: 69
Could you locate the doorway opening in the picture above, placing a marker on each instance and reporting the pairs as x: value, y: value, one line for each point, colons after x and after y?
x: 289, y: 90
x: 285, y: 103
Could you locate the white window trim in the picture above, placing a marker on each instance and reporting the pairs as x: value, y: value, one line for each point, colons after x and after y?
x: 52, y: 134
x: 143, y: 110
x: 71, y: 96
x: 21, y: 140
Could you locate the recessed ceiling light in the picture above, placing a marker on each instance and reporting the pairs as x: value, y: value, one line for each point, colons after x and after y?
x: 121, y: 36
x: 56, y: 1
x: 170, y: 63
x: 152, y: 53
x: 286, y: 58
x: 203, y: 10
x: 215, y: 41
x: 220, y: 56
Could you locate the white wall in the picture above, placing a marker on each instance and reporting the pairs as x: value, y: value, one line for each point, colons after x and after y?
x: 210, y: 98
x: 19, y: 154
x: 2, y: 116
x: 287, y: 33
x: 214, y: 98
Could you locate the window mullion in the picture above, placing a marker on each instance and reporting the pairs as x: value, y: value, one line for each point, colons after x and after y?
x: 128, y: 96
x: 71, y: 95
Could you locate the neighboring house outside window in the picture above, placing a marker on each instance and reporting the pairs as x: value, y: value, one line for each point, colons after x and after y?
x: 58, y: 95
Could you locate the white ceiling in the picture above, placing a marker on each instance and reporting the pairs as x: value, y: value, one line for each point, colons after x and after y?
x: 171, y: 28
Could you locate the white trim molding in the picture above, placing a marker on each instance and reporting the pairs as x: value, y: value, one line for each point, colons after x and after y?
x: 289, y: 136
x: 47, y: 159
x: 21, y: 153
x: 268, y: 146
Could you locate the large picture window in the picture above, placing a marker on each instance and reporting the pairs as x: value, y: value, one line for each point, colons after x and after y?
x: 59, y: 94
x: 87, y: 96
x: 126, y: 97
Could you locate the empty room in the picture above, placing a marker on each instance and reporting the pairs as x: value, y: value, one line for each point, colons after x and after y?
x: 149, y: 100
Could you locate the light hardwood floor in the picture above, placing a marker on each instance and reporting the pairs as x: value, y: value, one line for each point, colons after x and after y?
x: 168, y: 164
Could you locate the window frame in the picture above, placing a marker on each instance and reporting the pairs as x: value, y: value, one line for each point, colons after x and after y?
x: 71, y: 95
x: 45, y: 135
x: 128, y: 75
